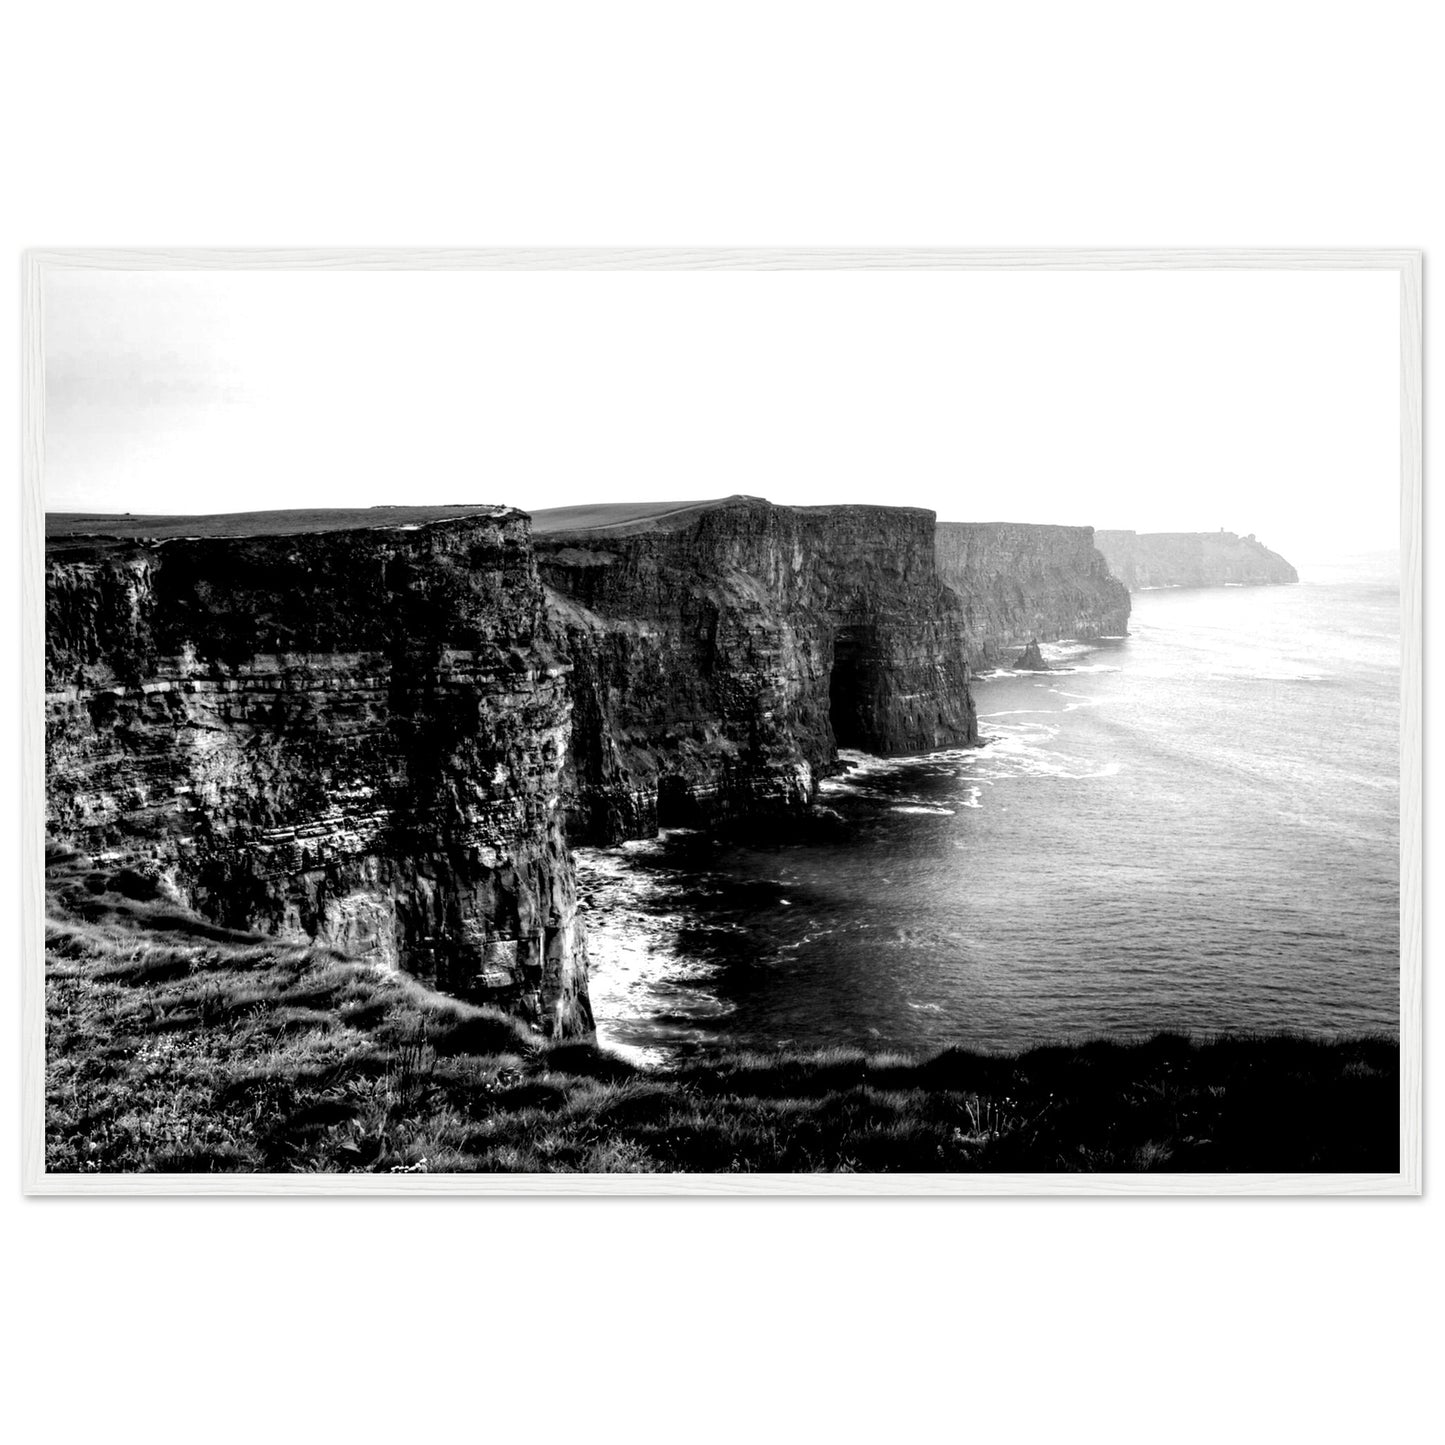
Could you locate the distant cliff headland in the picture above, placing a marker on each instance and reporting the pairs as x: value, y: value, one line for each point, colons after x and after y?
x: 1192, y: 559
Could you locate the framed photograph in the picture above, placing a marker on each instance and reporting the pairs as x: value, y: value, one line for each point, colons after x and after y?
x: 748, y: 722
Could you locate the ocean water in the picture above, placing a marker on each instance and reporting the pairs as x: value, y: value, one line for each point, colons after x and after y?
x: 1192, y: 828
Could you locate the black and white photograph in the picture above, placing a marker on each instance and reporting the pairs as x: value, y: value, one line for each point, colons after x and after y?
x: 782, y: 720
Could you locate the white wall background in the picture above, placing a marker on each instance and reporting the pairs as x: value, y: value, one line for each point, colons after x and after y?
x: 1125, y: 124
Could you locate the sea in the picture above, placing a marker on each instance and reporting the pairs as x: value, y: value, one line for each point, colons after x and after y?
x: 1193, y: 828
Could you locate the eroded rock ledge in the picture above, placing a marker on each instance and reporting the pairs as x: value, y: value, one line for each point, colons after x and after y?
x: 343, y: 726
x: 1020, y: 583
x: 1192, y: 559
x: 723, y: 652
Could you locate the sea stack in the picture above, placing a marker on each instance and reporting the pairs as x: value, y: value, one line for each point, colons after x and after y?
x: 1031, y: 659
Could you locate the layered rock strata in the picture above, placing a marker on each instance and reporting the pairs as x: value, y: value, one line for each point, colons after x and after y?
x: 1020, y: 583
x: 1192, y: 559
x: 344, y: 727
x: 723, y: 652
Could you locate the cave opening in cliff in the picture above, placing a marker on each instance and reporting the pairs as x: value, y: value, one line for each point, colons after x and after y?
x: 849, y: 696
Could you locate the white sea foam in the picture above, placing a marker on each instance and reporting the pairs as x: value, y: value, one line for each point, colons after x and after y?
x: 1022, y: 753
x: 1022, y: 712
x: 1018, y: 749
x: 1055, y: 670
x: 1076, y: 701
x: 637, y: 966
x: 1244, y: 673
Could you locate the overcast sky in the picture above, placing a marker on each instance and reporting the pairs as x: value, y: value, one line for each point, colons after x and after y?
x: 1261, y: 402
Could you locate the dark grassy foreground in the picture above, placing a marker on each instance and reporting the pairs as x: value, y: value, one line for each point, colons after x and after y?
x: 174, y: 1045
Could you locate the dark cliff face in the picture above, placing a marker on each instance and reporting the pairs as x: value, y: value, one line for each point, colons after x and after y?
x: 723, y: 653
x: 352, y: 735
x: 1020, y: 583
x: 1192, y: 559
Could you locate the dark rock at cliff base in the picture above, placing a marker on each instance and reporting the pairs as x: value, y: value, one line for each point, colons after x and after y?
x: 1020, y: 581
x: 347, y: 727
x: 1031, y: 660
x: 723, y: 651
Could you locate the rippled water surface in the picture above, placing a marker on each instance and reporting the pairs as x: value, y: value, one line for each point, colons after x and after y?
x: 1196, y: 827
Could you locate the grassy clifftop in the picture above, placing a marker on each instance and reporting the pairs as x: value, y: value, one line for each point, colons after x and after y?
x: 291, y: 522
x: 174, y: 1045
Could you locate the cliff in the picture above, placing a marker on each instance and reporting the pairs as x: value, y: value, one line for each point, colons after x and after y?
x: 1020, y: 583
x: 722, y: 652
x: 1192, y: 559
x: 348, y: 727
